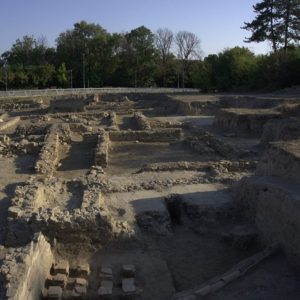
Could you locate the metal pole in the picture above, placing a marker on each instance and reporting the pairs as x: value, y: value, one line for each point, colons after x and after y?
x: 71, y: 71
x: 83, y: 70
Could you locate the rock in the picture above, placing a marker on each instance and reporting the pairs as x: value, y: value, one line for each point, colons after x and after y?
x: 61, y: 267
x: 106, y: 273
x: 55, y: 292
x: 105, y: 288
x: 128, y: 285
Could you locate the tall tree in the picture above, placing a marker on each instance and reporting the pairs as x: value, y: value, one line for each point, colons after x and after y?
x: 289, y: 11
x: 85, y: 51
x: 276, y: 21
x: 164, y: 39
x: 266, y: 23
x: 137, y: 55
x: 187, y: 47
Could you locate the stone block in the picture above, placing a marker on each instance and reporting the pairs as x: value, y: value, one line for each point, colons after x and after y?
x: 81, y: 282
x: 79, y: 292
x: 105, y: 273
x: 61, y: 267
x: 59, y: 280
x: 128, y: 286
x: 105, y: 289
x: 55, y: 292
x: 128, y: 271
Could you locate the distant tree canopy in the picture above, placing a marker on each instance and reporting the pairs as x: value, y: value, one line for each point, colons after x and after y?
x: 89, y: 56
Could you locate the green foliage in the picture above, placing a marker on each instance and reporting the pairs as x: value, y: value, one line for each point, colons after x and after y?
x: 62, y: 75
x: 139, y: 58
x: 277, y: 21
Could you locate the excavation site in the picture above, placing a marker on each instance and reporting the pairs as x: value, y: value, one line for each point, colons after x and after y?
x: 150, y: 196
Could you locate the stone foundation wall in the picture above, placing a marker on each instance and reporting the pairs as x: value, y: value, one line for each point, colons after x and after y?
x: 162, y: 135
x: 112, y: 121
x: 24, y: 270
x: 9, y: 123
x: 27, y: 215
x: 49, y: 155
x: 101, y: 151
x: 141, y: 121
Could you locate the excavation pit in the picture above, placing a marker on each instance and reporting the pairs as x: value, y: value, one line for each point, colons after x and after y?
x: 141, y: 196
x: 129, y: 157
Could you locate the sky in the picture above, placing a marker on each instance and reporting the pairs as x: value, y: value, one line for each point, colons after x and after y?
x: 216, y: 22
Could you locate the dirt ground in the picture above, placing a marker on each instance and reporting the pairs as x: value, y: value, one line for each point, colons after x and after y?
x: 175, y: 246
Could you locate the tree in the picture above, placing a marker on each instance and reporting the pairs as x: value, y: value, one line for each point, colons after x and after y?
x: 138, y: 56
x: 164, y: 39
x: 62, y: 75
x: 85, y: 50
x: 187, y: 47
x: 289, y: 11
x: 265, y: 25
x: 277, y: 21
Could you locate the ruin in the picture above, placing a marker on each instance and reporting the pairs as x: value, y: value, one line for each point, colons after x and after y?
x: 149, y: 196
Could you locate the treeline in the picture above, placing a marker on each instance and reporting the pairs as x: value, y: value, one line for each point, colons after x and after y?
x: 89, y: 56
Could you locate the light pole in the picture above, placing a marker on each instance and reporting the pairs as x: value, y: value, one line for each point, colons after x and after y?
x: 83, y: 70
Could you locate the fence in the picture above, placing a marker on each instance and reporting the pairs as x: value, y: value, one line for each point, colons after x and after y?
x: 61, y: 92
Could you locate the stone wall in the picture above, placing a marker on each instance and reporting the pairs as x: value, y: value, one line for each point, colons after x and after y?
x: 162, y: 135
x: 24, y: 270
x: 141, y: 121
x: 101, y: 151
x: 27, y: 215
x: 9, y: 123
x: 49, y: 155
x: 112, y: 121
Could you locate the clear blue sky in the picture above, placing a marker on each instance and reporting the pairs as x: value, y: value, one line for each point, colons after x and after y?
x: 216, y: 22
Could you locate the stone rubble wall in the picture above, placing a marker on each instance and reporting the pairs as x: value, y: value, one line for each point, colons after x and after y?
x: 26, y: 216
x: 9, y: 123
x: 101, y: 151
x: 162, y: 135
x: 24, y: 270
x: 141, y: 121
x: 19, y: 104
x: 112, y: 120
x: 49, y: 155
